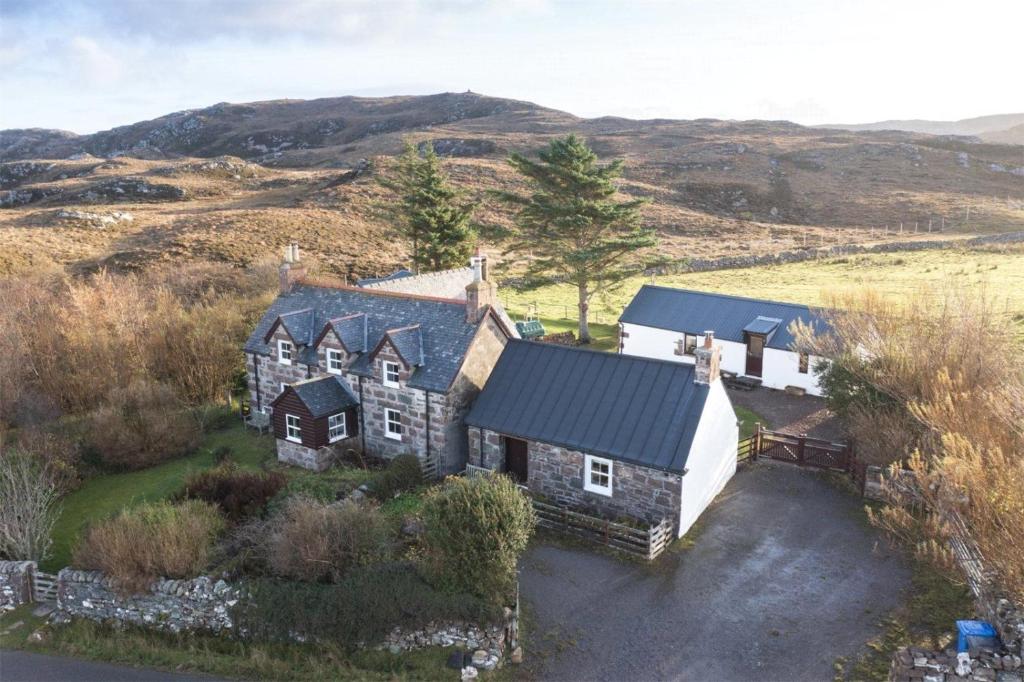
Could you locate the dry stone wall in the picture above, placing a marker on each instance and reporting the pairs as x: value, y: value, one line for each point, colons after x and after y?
x: 15, y: 583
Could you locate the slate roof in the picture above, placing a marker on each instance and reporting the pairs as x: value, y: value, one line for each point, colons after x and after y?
x: 397, y: 274
x: 444, y: 283
x: 350, y: 330
x: 445, y: 334
x: 694, y: 312
x: 329, y: 394
x: 622, y: 407
x: 409, y: 343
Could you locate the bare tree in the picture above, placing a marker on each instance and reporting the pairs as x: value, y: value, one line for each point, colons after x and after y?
x: 28, y: 506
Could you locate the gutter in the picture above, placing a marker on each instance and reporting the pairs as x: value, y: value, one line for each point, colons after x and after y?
x: 256, y: 378
x: 427, y: 418
x: 362, y: 417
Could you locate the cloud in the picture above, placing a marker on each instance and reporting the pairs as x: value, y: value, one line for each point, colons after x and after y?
x: 92, y: 62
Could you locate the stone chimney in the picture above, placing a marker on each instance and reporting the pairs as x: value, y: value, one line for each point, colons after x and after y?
x: 708, y: 358
x: 291, y: 270
x: 481, y: 292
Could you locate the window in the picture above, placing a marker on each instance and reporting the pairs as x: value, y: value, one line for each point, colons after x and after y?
x: 293, y: 431
x: 336, y: 427
x: 393, y: 424
x: 334, y: 361
x: 284, y: 352
x: 804, y: 363
x: 687, y: 345
x: 391, y: 373
x: 597, y: 475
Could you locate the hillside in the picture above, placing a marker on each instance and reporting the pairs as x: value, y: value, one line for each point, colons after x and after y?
x: 233, y: 182
x: 1004, y: 128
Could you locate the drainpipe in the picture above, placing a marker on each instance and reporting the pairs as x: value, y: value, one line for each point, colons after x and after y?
x: 426, y: 394
x: 362, y: 417
x: 256, y: 377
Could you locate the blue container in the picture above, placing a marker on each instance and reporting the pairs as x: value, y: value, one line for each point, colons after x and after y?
x: 979, y: 632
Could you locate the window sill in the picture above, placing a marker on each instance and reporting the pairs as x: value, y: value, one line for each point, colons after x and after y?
x: 336, y: 439
x: 284, y: 362
x: 390, y: 384
x: 293, y: 440
x: 334, y: 371
x: 393, y: 436
x: 606, y: 492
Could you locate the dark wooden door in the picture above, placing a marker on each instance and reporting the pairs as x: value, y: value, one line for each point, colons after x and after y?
x: 755, y: 354
x: 516, y: 459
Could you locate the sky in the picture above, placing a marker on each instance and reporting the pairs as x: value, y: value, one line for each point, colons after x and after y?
x: 91, y: 65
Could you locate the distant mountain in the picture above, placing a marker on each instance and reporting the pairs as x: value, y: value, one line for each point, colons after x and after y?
x: 1005, y: 128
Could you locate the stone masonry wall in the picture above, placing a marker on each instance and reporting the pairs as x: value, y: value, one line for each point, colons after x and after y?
x: 15, y: 583
x: 317, y: 459
x: 171, y: 605
x: 557, y: 474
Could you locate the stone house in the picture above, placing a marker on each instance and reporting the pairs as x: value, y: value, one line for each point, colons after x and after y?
x: 756, y: 336
x: 612, y: 435
x: 403, y: 368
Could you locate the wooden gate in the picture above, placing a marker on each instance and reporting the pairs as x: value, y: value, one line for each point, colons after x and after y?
x: 796, y: 449
x: 44, y: 586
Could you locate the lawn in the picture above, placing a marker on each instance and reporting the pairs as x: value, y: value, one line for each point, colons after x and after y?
x: 810, y: 282
x: 748, y: 420
x: 101, y: 496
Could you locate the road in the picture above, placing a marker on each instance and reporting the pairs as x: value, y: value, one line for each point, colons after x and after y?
x: 21, y: 666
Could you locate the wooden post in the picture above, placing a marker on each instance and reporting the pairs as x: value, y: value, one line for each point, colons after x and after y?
x: 757, y: 440
x: 802, y: 441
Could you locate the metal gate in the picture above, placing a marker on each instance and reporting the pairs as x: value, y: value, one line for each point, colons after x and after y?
x: 44, y: 587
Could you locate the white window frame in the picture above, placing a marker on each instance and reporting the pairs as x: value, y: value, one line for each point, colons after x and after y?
x: 281, y: 350
x: 393, y: 418
x: 289, y: 427
x: 386, y: 368
x: 331, y: 355
x: 803, y: 363
x: 333, y: 424
x: 588, y: 471
x: 284, y: 385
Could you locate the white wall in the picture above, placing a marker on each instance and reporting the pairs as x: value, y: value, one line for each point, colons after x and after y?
x: 780, y: 367
x: 712, y: 459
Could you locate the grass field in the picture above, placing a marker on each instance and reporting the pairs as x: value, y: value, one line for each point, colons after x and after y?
x: 893, y: 274
x: 101, y: 496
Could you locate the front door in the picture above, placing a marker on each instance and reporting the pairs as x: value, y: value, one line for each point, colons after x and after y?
x: 755, y: 354
x: 515, y: 459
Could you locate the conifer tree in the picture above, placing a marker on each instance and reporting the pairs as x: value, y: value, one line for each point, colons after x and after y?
x: 574, y: 227
x: 432, y: 214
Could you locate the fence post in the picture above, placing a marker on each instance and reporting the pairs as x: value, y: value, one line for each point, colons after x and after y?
x: 800, y: 448
x: 757, y: 440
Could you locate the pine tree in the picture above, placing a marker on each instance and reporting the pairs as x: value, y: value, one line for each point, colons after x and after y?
x: 432, y: 214
x: 573, y: 226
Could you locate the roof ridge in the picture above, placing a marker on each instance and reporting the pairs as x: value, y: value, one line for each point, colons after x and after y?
x: 331, y: 283
x: 604, y: 353
x: 717, y: 294
x: 436, y: 273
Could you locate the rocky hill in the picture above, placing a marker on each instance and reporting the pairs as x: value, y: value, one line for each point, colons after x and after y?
x: 234, y: 181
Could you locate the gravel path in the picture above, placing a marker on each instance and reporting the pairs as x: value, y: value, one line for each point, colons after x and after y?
x: 790, y: 413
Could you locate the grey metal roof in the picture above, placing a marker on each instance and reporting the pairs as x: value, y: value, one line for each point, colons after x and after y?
x: 695, y: 312
x: 329, y: 394
x: 763, y: 325
x: 445, y: 334
x: 409, y: 343
x: 619, y: 406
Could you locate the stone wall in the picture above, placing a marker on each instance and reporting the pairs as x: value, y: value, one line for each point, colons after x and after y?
x: 557, y: 474
x: 171, y: 605
x: 15, y: 583
x: 315, y: 459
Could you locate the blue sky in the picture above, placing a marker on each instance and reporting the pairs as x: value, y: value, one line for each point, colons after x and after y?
x: 86, y: 66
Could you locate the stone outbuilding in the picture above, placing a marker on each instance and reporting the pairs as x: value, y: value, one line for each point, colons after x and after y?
x: 611, y: 435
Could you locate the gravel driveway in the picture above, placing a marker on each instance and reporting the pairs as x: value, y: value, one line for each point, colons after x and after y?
x: 784, y: 577
x: 790, y: 413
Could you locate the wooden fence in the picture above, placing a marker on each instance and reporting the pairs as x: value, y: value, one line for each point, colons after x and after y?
x: 647, y: 543
x: 797, y: 449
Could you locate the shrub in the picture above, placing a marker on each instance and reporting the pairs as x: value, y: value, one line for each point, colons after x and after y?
x: 238, y: 493
x: 222, y: 453
x: 476, y: 530
x: 363, y: 607
x: 150, y: 541
x: 313, y: 541
x: 402, y: 473
x: 28, y: 506
x: 141, y: 425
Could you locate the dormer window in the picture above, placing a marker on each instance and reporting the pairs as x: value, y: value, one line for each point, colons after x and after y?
x: 284, y: 352
x: 334, y: 361
x: 391, y: 373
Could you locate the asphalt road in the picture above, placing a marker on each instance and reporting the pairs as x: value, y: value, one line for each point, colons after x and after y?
x: 784, y: 577
x: 21, y: 666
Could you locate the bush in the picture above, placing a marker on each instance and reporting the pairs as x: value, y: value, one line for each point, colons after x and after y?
x: 150, y: 541
x: 315, y: 542
x: 139, y: 426
x: 222, y: 454
x: 363, y: 607
x: 29, y: 506
x: 476, y: 530
x: 238, y: 493
x: 402, y: 473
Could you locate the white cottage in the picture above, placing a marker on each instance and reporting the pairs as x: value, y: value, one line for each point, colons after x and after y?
x: 756, y: 336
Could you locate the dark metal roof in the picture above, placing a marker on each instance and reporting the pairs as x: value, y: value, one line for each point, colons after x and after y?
x: 695, y: 312
x: 619, y: 406
x: 763, y: 325
x: 445, y: 334
x: 329, y: 394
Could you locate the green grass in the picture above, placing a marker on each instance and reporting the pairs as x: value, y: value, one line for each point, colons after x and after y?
x: 748, y: 421
x: 810, y: 282
x: 17, y: 625
x: 104, y: 495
